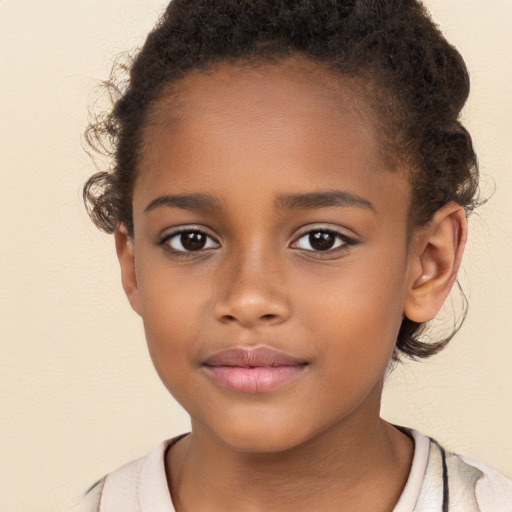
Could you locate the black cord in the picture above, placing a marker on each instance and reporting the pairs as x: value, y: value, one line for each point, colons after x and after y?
x: 446, y: 493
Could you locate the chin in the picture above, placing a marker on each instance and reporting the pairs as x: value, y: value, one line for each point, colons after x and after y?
x: 259, y: 442
x: 260, y: 436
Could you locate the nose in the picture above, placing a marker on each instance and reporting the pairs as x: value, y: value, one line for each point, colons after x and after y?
x: 252, y: 293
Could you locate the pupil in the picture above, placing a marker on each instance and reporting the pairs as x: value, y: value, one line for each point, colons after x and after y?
x: 322, y: 241
x: 193, y: 241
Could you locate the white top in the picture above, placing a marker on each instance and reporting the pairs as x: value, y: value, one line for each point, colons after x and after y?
x: 439, y: 481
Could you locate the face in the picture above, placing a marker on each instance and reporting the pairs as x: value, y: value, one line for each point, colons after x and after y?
x: 270, y: 254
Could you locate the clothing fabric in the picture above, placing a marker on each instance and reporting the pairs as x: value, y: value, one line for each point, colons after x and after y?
x: 439, y: 481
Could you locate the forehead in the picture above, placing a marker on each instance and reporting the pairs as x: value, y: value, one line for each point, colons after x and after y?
x: 292, y: 123
x: 264, y: 88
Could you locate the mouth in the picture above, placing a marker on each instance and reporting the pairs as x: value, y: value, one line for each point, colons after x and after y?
x: 253, y: 370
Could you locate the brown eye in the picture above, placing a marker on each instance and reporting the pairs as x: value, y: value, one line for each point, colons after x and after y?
x: 189, y: 241
x: 193, y: 241
x: 322, y: 240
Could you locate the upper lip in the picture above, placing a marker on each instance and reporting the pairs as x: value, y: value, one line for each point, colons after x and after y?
x: 252, y: 357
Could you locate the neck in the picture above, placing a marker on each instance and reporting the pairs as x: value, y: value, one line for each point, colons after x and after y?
x: 344, y: 468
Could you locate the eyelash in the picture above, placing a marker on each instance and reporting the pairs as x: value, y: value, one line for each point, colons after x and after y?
x: 345, y: 240
x: 164, y: 241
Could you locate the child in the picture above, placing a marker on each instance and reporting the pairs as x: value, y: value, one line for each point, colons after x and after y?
x: 289, y: 198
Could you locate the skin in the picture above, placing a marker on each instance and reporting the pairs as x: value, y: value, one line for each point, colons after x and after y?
x: 250, y: 138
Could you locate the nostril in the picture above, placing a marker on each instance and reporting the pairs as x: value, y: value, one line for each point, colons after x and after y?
x: 251, y: 311
x: 269, y: 317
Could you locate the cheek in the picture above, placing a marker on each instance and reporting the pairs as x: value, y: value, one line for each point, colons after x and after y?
x: 172, y: 309
x: 356, y: 293
x: 359, y: 313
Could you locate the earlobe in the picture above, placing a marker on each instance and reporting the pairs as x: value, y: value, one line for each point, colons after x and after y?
x: 436, y: 256
x: 126, y: 255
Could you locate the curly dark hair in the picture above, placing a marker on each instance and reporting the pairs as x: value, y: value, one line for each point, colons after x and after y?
x: 414, y: 80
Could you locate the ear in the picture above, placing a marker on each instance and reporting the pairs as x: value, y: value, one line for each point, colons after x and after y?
x: 436, y: 257
x: 126, y: 255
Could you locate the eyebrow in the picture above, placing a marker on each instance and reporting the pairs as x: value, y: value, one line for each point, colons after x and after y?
x: 322, y: 200
x: 185, y: 202
x: 306, y: 201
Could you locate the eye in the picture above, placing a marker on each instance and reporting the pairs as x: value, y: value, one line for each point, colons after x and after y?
x: 189, y: 240
x: 322, y: 240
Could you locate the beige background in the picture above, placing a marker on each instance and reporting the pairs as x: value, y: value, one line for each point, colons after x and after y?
x: 78, y: 395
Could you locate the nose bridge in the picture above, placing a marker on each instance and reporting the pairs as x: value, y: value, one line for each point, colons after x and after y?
x: 252, y: 290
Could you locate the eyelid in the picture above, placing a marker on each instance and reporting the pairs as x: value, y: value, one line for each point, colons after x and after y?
x: 346, y: 239
x: 173, y: 232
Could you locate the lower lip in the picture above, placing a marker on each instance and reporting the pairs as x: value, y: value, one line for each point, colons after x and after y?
x: 256, y: 379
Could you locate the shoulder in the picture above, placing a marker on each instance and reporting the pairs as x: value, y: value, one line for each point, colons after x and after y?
x: 462, y: 483
x: 91, y: 500
x: 139, y: 485
x: 492, y: 489
x: 125, y: 482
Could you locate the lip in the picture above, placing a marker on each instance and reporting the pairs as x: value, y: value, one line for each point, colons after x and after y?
x: 253, y: 370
